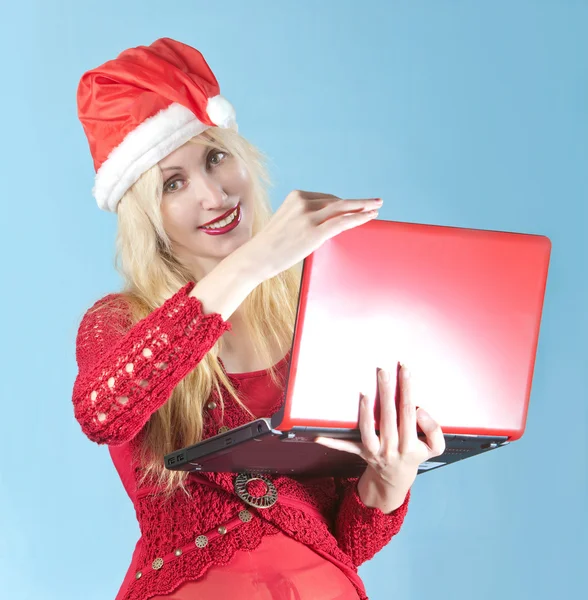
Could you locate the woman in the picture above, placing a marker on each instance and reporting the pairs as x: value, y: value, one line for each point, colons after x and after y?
x: 199, y: 341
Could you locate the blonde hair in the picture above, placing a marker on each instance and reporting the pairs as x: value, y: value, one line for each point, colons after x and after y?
x: 152, y: 274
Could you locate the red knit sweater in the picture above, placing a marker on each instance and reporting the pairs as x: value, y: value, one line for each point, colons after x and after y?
x: 124, y: 377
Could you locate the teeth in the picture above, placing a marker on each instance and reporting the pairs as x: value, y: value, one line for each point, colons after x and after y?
x: 222, y: 223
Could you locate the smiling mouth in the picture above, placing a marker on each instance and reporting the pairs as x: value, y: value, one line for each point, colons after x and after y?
x: 223, y: 220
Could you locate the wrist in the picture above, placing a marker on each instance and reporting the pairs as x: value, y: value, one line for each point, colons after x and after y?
x: 376, y: 493
x: 246, y: 265
x: 253, y: 258
x: 225, y: 288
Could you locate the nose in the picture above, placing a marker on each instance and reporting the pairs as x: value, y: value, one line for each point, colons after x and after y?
x: 209, y: 192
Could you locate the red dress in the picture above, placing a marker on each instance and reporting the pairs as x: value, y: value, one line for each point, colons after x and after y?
x: 126, y: 372
x: 281, y: 568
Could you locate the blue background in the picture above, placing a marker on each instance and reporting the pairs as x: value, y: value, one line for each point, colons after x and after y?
x: 471, y: 114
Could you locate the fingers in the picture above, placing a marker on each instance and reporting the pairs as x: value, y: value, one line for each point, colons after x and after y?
x: 338, y: 207
x: 316, y: 200
x: 328, y: 214
x: 433, y: 433
x: 367, y: 425
x: 343, y: 445
x: 407, y: 433
x: 337, y: 225
x: 388, y: 418
x: 312, y: 195
x: 342, y: 206
x: 329, y: 205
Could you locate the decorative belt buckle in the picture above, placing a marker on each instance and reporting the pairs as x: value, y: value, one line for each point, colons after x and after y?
x: 265, y: 501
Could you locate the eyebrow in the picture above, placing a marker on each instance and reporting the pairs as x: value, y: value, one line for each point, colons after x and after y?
x: 180, y: 168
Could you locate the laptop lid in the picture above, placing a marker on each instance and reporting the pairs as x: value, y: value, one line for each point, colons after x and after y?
x: 460, y: 307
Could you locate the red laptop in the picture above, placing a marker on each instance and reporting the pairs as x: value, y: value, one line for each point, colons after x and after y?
x: 461, y: 307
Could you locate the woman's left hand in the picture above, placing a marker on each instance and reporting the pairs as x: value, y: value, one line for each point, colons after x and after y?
x: 394, y: 457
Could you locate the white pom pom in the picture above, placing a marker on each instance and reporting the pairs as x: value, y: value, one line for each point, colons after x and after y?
x: 221, y: 112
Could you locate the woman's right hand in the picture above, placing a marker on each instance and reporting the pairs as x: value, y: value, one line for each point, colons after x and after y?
x: 303, y: 222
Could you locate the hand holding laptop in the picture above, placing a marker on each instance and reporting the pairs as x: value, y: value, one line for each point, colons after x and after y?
x: 302, y: 223
x: 394, y: 457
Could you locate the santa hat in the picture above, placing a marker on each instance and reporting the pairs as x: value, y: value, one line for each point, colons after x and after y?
x: 143, y: 105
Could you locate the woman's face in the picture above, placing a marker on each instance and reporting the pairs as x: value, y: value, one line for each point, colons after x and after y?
x: 200, y: 185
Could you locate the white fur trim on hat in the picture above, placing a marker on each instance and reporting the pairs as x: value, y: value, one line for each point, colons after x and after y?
x: 142, y: 149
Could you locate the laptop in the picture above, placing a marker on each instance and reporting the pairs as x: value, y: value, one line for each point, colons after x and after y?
x: 460, y: 307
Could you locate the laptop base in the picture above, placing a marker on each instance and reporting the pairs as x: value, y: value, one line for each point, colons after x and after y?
x: 256, y: 448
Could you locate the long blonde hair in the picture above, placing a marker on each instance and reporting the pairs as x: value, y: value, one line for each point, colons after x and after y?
x: 152, y: 274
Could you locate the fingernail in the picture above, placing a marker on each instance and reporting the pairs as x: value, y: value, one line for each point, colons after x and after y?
x: 405, y: 372
x: 384, y: 375
x: 424, y: 415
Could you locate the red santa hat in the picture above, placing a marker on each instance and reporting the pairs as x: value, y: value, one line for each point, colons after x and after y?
x: 143, y: 105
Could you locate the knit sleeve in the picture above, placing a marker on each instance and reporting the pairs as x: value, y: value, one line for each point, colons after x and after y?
x: 362, y: 531
x: 126, y: 373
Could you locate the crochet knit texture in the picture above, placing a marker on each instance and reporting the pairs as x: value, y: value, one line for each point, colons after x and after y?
x: 126, y: 373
